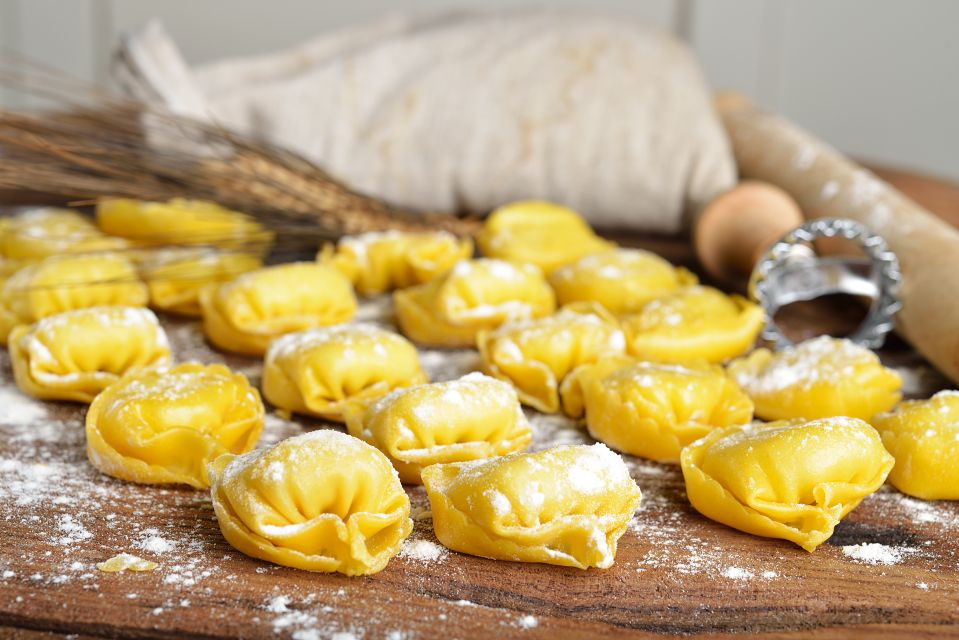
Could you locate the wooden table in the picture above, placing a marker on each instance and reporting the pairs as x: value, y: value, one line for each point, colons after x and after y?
x: 676, y: 572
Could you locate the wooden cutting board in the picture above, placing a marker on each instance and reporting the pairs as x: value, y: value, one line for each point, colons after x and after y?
x: 675, y: 573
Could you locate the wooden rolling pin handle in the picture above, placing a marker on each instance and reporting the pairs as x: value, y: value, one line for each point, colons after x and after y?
x: 737, y: 227
x: 827, y: 184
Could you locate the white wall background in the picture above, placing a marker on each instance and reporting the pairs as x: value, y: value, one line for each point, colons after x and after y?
x: 877, y: 78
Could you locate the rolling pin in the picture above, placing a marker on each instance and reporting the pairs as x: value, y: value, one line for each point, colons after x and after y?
x: 803, y: 174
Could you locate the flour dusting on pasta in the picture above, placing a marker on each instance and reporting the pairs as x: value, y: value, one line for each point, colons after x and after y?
x: 820, y: 360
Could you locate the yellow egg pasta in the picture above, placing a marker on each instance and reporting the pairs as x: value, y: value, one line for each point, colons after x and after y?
x: 538, y: 232
x: 470, y: 418
x: 48, y: 231
x: 653, y: 410
x: 322, y: 501
x: 62, y: 283
x: 452, y: 309
x: 793, y: 480
x: 923, y: 437
x: 694, y: 323
x: 818, y: 378
x: 378, y: 262
x: 162, y: 426
x: 244, y: 315
x: 176, y: 277
x: 323, y: 370
x: 567, y: 506
x: 180, y: 222
x: 622, y: 281
x: 536, y: 355
x: 76, y: 354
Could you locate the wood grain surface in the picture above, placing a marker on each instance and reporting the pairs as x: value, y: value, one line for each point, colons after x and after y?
x: 676, y: 572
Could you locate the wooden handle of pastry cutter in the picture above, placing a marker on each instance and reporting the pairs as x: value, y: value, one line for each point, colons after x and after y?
x: 825, y: 183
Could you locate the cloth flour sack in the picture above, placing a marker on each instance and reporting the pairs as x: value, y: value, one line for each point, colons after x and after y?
x: 469, y: 111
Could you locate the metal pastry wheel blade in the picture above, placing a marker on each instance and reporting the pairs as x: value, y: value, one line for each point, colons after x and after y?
x: 791, y: 271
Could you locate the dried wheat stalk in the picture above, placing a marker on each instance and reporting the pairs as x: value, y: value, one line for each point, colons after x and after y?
x: 94, y: 145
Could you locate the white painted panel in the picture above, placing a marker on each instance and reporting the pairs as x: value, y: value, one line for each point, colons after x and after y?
x: 55, y: 34
x: 728, y: 36
x: 9, y: 32
x: 59, y: 34
x: 877, y: 78
x: 212, y: 29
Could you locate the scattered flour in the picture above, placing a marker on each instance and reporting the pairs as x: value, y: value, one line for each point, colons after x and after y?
x: 875, y: 553
x: 922, y: 511
x: 278, y: 604
x: 20, y: 410
x: 829, y: 190
x: 527, y: 622
x: 305, y: 619
x: 424, y: 551
x: 736, y: 573
x: 155, y: 543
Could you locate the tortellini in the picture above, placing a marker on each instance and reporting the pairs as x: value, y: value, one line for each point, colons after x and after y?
x: 176, y: 277
x: 791, y: 479
x: 49, y: 231
x: 695, y: 323
x: 452, y: 309
x: 62, y: 283
x: 378, y: 262
x: 536, y: 355
x: 653, y: 410
x: 246, y: 314
x: 321, y: 501
x: 76, y: 354
x: 923, y: 437
x: 817, y: 378
x: 622, y: 281
x: 323, y: 370
x: 538, y: 232
x: 180, y: 222
x: 467, y: 419
x: 162, y: 426
x: 568, y: 505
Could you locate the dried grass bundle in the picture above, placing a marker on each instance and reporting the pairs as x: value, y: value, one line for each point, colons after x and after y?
x: 92, y: 144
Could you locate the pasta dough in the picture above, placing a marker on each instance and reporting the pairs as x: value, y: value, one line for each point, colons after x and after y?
x: 536, y: 355
x: 793, y: 480
x: 175, y: 278
x: 246, y: 314
x: 476, y: 294
x: 49, y: 231
x: 382, y: 261
x: 817, y: 378
x: 180, y: 222
x: 162, y: 426
x: 923, y: 437
x: 76, y: 354
x: 538, y: 232
x: 321, y: 371
x: 467, y: 419
x: 322, y: 501
x: 568, y: 505
x: 622, y: 281
x: 654, y: 410
x: 62, y: 283
x: 694, y: 323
